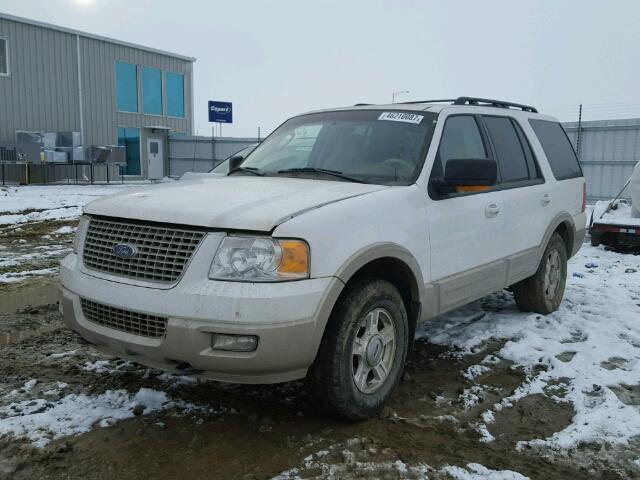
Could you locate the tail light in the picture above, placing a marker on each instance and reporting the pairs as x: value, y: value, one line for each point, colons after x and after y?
x: 584, y: 197
x: 602, y: 227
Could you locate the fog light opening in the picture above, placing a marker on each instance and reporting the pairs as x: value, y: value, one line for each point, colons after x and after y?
x: 234, y: 343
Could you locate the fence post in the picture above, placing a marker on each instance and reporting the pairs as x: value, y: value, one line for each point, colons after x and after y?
x: 578, y: 149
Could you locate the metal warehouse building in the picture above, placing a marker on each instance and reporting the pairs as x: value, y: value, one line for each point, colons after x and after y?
x: 54, y: 79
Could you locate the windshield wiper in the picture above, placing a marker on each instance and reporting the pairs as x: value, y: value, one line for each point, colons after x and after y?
x: 255, y: 171
x: 334, y: 173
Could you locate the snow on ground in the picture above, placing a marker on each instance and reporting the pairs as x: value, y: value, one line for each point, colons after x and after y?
x: 360, y: 458
x: 34, y: 203
x: 33, y: 237
x: 41, y: 411
x: 15, y: 277
x: 586, y: 353
x: 41, y: 421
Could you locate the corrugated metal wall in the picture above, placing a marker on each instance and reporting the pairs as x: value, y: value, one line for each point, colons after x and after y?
x: 201, y: 154
x: 98, y: 83
x: 608, y: 152
x: 41, y: 91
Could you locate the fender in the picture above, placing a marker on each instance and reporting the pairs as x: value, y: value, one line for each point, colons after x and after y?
x: 562, y: 217
x: 377, y: 251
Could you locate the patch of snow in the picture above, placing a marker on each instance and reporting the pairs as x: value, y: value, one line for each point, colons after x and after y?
x: 12, y: 277
x: 99, y: 366
x: 475, y: 471
x: 35, y: 203
x: 63, y: 354
x: 64, y: 230
x: 41, y: 421
x: 598, y: 322
x: 339, y: 463
x: 475, y: 371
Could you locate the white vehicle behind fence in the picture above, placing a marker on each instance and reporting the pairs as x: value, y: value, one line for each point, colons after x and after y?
x: 318, y: 254
x: 616, y: 223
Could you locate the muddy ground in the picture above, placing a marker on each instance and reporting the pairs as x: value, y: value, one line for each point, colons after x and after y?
x: 248, y: 432
x: 258, y: 432
x: 29, y: 257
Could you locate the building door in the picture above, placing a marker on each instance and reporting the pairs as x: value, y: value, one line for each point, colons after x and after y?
x: 130, y: 139
x: 155, y: 159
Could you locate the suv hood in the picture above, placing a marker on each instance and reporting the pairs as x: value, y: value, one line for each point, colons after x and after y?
x: 236, y: 202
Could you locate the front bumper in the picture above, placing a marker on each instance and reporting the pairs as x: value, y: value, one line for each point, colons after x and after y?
x: 288, y: 317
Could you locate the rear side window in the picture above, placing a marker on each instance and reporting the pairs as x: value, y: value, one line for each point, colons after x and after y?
x: 555, y: 143
x: 511, y: 156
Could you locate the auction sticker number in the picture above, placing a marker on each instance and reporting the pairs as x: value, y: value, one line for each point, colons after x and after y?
x: 401, y: 117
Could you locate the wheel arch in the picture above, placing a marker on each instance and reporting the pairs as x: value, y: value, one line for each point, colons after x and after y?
x: 564, y: 225
x: 395, y: 264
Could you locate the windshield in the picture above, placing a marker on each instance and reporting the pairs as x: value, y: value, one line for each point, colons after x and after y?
x: 223, y: 166
x: 372, y: 146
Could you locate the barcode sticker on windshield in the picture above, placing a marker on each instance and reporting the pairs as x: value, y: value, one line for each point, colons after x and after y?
x: 401, y: 117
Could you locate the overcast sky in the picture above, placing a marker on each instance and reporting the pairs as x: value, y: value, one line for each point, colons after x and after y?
x: 274, y: 59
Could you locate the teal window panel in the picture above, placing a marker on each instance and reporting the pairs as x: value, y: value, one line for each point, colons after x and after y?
x: 126, y: 87
x: 152, y: 91
x: 175, y: 94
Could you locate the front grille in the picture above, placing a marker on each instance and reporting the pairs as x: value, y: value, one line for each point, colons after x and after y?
x: 162, y: 252
x: 124, y: 320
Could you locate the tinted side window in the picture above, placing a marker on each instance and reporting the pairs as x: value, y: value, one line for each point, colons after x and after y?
x: 532, y: 163
x: 460, y: 139
x: 511, y: 158
x: 557, y: 148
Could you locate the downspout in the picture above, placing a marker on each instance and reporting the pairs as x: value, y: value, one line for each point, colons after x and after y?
x: 192, y: 99
x: 80, y: 90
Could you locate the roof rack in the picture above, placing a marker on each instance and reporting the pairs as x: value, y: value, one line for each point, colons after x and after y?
x: 493, y: 103
x: 479, y: 102
x: 431, y: 101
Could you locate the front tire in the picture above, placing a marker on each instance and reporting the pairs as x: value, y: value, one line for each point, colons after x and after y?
x: 543, y: 291
x: 362, y: 354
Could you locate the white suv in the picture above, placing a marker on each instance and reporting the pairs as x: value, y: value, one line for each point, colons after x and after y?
x: 317, y: 255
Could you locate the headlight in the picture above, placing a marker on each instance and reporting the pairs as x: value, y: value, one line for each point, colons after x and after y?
x: 80, y: 231
x: 260, y: 259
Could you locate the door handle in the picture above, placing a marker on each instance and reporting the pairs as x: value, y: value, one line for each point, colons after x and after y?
x: 491, y: 210
x: 546, y: 199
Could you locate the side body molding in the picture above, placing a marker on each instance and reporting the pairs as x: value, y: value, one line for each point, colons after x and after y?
x: 448, y: 293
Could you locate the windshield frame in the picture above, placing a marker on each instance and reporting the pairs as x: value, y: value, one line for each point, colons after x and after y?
x: 430, y: 117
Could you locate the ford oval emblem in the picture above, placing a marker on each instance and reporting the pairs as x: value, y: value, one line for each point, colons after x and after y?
x: 124, y: 250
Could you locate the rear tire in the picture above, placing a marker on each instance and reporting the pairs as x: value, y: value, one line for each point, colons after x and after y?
x: 362, y: 354
x: 543, y: 291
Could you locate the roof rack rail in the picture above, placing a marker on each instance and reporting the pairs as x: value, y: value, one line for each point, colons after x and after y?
x: 493, y: 103
x: 431, y: 101
x: 479, y: 102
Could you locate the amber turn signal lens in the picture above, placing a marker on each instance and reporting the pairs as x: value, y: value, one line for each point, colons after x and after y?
x: 295, y: 259
x: 472, y: 188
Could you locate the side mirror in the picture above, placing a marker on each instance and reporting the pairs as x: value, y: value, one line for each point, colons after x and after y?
x: 235, y: 162
x: 467, y: 174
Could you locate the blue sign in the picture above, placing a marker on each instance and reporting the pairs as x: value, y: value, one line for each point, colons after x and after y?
x: 220, y: 112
